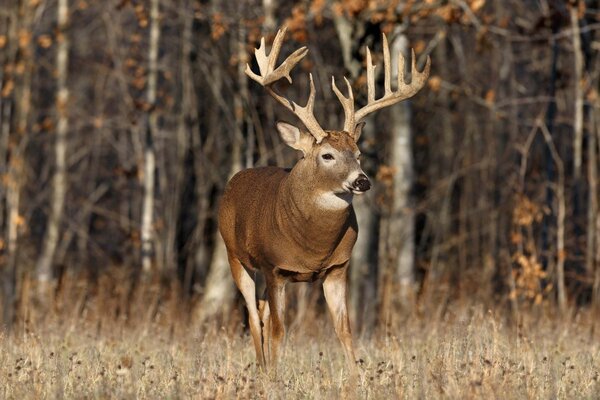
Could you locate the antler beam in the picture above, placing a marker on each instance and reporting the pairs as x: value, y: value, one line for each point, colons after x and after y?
x: 403, y: 91
x: 269, y: 74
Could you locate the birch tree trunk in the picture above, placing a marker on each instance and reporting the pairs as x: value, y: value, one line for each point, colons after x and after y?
x: 577, y: 77
x: 147, y: 229
x: 401, y: 222
x: 59, y: 180
x: 269, y: 7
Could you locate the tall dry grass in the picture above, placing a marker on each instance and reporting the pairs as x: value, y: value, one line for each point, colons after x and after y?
x: 91, y: 344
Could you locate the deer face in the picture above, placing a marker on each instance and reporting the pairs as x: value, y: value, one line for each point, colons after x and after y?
x: 333, y: 165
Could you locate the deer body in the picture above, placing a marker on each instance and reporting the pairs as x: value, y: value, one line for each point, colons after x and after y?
x: 299, y: 224
x: 309, y: 239
x: 284, y: 222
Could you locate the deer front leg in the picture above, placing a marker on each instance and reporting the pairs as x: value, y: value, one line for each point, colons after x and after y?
x: 276, y: 309
x: 247, y: 286
x: 334, y: 287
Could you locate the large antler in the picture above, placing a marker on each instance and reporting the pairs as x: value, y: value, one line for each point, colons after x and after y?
x: 404, y: 91
x: 269, y: 74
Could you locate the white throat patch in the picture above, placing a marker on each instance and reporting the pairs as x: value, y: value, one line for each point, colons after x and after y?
x: 334, y: 201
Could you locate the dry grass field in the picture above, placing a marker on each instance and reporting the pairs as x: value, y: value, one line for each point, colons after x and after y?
x: 469, y: 353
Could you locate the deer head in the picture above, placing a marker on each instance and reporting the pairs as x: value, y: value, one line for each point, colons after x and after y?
x: 331, y: 158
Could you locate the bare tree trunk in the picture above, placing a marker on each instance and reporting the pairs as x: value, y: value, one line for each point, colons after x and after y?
x: 22, y: 19
x: 147, y: 229
x: 363, y: 273
x: 59, y: 180
x: 401, y: 229
x: 578, y: 76
x: 592, y: 212
x: 560, y: 221
x: 269, y: 7
x: 443, y: 155
x: 596, y: 246
x: 7, y: 276
x: 175, y: 190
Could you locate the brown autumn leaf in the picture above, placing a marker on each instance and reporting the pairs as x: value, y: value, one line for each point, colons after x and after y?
x: 8, y: 88
x: 419, y: 46
x: 24, y: 38
x: 337, y: 8
x: 44, y: 41
x: 385, y: 174
x: 316, y: 9
x: 98, y: 122
x: 435, y: 83
x: 218, y: 27
x: 139, y: 83
x: 446, y: 13
x: 19, y: 220
x: 3, y: 41
x: 490, y: 96
x: 20, y: 68
x: 130, y: 62
x: 476, y: 5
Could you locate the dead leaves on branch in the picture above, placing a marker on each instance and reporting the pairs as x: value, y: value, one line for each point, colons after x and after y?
x: 528, y: 274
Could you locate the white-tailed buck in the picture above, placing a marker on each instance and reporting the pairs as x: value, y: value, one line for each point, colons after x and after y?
x: 299, y: 225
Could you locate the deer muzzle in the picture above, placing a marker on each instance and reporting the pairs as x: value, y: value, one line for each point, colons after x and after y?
x: 361, y: 184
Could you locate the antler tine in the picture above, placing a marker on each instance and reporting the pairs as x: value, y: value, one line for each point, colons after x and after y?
x: 269, y: 74
x: 370, y: 78
x: 404, y: 90
x: 387, y: 68
x: 347, y: 104
x: 307, y: 116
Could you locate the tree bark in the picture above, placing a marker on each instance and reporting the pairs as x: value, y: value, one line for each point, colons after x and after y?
x: 401, y: 230
x: 363, y: 271
x: 592, y: 212
x: 147, y: 228
x: 560, y: 221
x: 59, y: 180
x: 578, y: 92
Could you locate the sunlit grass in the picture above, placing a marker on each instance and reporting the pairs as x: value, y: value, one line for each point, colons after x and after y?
x: 471, y: 355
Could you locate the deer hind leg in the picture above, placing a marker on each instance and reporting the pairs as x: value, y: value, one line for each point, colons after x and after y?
x: 276, y: 308
x: 247, y: 286
x: 334, y: 287
x: 265, y: 315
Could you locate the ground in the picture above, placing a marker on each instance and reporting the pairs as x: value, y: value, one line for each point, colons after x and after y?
x: 470, y: 353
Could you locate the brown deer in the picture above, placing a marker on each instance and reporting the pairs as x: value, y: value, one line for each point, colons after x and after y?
x: 299, y: 225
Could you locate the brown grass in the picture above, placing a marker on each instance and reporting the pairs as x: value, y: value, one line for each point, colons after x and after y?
x: 470, y: 353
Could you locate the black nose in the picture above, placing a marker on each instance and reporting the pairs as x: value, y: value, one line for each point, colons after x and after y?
x: 362, y: 183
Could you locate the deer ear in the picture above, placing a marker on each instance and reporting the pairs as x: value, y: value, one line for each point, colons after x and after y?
x: 294, y: 137
x: 358, y: 130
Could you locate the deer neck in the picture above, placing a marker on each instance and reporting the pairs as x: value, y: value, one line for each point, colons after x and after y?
x: 310, y: 216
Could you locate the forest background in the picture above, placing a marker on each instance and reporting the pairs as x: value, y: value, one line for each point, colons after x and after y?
x: 121, y: 122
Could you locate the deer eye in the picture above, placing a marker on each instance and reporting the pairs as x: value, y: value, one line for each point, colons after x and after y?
x: 327, y: 156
